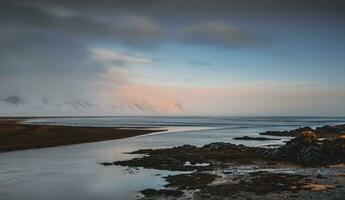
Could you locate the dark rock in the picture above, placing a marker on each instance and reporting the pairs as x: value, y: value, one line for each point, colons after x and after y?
x: 106, y: 163
x: 324, y: 131
x: 218, y: 145
x: 160, y: 193
x: 330, y: 131
x: 306, y: 149
x: 174, y: 159
x: 312, y: 155
x: 292, y: 133
x: 320, y: 176
x: 187, y: 147
x: 258, y: 183
x: 335, y: 149
x: 303, y: 150
x: 254, y: 138
x: 190, y: 181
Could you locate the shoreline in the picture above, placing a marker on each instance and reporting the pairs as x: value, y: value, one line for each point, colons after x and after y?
x: 305, y: 167
x: 16, y: 136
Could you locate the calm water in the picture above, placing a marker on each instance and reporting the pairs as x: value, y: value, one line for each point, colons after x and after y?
x: 73, y: 172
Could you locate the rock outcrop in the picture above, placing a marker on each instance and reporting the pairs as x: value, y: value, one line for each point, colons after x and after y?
x: 323, y: 132
x: 254, y: 138
x: 307, y: 149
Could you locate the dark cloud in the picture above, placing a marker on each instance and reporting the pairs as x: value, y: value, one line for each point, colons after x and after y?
x: 131, y: 30
x: 139, y: 30
x: 15, y: 100
x: 150, y: 22
x: 43, y: 47
x: 196, y: 6
x: 39, y: 52
x: 55, y: 35
x: 147, y: 22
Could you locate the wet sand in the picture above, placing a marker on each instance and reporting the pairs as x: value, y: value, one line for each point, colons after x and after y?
x: 16, y: 136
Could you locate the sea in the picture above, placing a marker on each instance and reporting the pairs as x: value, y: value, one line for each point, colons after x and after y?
x: 74, y: 171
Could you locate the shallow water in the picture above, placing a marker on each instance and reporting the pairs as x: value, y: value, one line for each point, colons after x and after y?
x: 73, y: 172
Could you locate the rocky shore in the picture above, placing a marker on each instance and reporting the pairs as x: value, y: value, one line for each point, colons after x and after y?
x: 306, y: 167
x: 308, y: 150
x: 321, y: 132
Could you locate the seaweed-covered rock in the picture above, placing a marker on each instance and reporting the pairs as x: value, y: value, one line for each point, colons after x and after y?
x: 219, y: 145
x: 254, y: 138
x: 292, y: 133
x: 330, y: 131
x: 335, y: 149
x: 208, y: 157
x: 324, y: 131
x: 306, y: 149
x: 312, y: 155
x: 150, y: 193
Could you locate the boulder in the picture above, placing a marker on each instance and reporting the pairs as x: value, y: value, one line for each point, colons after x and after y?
x: 324, y: 131
x: 304, y: 149
x: 335, y: 149
x: 342, y: 136
x: 312, y: 155
x: 309, y: 134
x: 219, y: 145
x: 292, y: 133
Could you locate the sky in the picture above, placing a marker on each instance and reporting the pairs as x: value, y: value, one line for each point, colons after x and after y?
x: 160, y: 57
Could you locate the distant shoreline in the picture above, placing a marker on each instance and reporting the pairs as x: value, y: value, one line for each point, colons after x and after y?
x: 16, y: 136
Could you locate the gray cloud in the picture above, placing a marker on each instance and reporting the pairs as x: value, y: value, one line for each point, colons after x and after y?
x: 139, y: 30
x: 55, y: 34
x: 15, y: 100
x: 219, y: 34
x: 125, y: 29
x: 148, y: 23
x: 45, y: 52
x: 40, y: 38
x: 195, y: 6
x: 37, y: 52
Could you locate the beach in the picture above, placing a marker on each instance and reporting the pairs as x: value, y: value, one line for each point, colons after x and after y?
x: 17, y: 136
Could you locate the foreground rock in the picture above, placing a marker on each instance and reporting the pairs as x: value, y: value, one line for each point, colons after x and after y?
x: 212, y: 174
x: 308, y: 150
x: 189, y: 158
x: 254, y: 185
x: 305, y: 150
x: 323, y: 132
x: 254, y: 138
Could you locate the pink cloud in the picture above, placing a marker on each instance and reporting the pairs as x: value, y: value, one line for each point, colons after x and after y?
x: 267, y: 98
